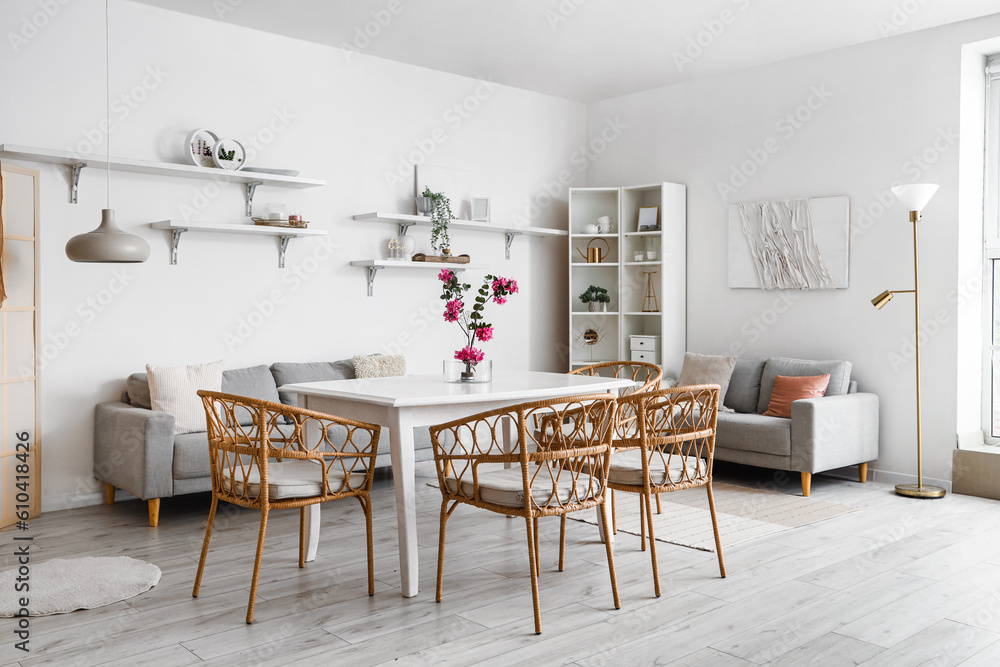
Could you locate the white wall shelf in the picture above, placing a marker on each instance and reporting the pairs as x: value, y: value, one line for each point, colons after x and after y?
x: 284, y: 234
x: 77, y: 161
x: 404, y: 222
x: 373, y: 266
x: 656, y: 233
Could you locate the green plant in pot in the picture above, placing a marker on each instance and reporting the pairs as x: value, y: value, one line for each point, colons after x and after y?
x: 596, y: 298
x: 440, y: 217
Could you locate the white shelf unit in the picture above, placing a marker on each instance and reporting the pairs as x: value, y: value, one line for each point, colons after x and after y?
x: 374, y: 265
x: 404, y: 221
x: 77, y: 162
x: 624, y: 277
x: 284, y: 234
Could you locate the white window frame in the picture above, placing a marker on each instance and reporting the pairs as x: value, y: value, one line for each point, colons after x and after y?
x: 991, y: 265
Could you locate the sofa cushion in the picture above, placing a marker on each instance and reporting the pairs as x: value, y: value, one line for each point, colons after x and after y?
x: 137, y: 388
x: 754, y: 433
x: 174, y: 390
x: 706, y: 369
x: 292, y: 373
x: 253, y: 382
x: 191, y: 456
x: 744, y: 385
x: 787, y: 390
x: 840, y: 376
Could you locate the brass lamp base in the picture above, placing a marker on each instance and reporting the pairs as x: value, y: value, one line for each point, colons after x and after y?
x: 917, y: 491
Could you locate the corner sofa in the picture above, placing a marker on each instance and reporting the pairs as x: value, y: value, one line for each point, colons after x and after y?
x: 135, y: 448
x: 840, y: 429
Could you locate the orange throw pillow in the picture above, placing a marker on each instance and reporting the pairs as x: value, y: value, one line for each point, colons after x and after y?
x: 788, y: 389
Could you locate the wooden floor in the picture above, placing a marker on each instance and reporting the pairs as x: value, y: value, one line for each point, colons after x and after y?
x: 901, y: 582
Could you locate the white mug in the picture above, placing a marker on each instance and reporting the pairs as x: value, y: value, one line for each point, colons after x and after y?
x: 605, y: 222
x: 591, y: 229
x: 651, y: 255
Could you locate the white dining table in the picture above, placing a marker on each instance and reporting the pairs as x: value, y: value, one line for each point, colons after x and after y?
x: 402, y: 403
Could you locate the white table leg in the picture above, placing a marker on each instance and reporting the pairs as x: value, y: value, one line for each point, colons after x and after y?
x: 401, y: 451
x: 312, y: 511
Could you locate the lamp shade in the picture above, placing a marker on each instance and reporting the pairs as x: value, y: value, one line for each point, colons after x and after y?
x: 915, y: 196
x: 882, y: 299
x: 107, y: 243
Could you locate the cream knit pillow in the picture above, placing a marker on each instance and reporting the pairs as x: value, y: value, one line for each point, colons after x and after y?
x: 379, y: 365
x: 174, y: 390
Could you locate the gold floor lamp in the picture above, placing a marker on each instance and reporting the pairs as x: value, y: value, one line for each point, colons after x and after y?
x: 914, y: 197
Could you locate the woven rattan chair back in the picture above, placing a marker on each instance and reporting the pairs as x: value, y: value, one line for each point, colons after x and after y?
x: 499, y: 461
x: 251, y: 442
x: 646, y: 376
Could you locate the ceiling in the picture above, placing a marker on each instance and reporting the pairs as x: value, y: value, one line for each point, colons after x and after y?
x: 586, y: 49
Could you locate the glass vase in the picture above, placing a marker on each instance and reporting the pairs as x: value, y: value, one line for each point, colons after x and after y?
x: 461, y: 371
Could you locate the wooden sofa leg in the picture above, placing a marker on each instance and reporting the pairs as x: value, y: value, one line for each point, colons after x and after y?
x: 863, y: 472
x: 807, y: 479
x: 154, y: 512
x: 109, y: 494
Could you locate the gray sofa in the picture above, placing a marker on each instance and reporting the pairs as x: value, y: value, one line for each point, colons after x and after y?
x: 135, y: 448
x: 840, y: 429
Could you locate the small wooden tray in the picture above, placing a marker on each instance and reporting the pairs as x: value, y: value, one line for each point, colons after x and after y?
x: 281, y: 223
x: 451, y: 259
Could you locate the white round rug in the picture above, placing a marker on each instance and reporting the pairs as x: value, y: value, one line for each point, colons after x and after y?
x: 62, y: 585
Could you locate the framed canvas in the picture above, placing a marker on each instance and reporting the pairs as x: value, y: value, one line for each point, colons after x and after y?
x: 647, y: 218
x: 797, y: 244
x: 481, y: 209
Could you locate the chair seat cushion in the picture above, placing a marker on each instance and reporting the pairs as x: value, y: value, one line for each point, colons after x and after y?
x: 506, y: 487
x: 292, y: 478
x: 626, y: 468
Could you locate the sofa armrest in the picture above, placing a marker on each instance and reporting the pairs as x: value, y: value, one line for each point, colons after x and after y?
x: 134, y: 449
x: 834, y: 431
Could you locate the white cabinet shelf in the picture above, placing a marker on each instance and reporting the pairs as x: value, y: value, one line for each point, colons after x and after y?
x: 77, y: 162
x: 373, y: 266
x: 284, y: 234
x: 404, y: 222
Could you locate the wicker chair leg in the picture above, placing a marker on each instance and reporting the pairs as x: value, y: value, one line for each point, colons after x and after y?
x: 256, y: 565
x: 642, y: 522
x: 204, y: 547
x: 444, y: 519
x: 659, y: 507
x: 614, y: 514
x: 562, y: 543
x: 532, y: 564
x: 648, y: 519
x: 611, y: 561
x: 302, y: 536
x: 366, y: 506
x: 715, y: 527
x: 538, y: 557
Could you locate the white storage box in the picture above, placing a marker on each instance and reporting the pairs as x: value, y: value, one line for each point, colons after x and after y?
x: 651, y: 343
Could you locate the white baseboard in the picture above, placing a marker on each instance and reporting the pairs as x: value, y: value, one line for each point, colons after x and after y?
x: 71, y: 500
x: 888, y: 477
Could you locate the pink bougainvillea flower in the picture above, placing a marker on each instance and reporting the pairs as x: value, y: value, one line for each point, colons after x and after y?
x: 484, y: 334
x: 469, y: 355
x: 500, y: 299
x: 452, y: 310
x: 445, y: 275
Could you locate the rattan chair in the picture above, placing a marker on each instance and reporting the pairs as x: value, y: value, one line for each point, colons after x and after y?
x: 533, y: 477
x: 268, y: 456
x: 650, y: 376
x: 671, y: 448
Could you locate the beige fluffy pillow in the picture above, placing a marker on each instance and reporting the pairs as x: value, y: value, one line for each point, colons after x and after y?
x: 174, y: 390
x: 379, y: 365
x: 707, y: 369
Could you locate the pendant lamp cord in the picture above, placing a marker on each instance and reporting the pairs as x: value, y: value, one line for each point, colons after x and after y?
x: 107, y: 88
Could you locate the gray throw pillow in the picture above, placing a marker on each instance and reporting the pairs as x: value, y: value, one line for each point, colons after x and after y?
x: 707, y: 369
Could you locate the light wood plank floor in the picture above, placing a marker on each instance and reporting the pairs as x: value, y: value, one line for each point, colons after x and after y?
x: 901, y: 582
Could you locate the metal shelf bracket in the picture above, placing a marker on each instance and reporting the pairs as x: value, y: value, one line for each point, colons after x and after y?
x: 508, y: 239
x: 251, y: 188
x: 402, y: 228
x: 75, y: 187
x: 175, y: 240
x: 282, y: 247
x: 372, y: 270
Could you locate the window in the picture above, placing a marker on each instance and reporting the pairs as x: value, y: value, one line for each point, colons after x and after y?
x: 991, y: 227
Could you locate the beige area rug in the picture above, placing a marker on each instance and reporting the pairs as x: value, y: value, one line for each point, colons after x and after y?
x: 743, y: 514
x: 63, y: 585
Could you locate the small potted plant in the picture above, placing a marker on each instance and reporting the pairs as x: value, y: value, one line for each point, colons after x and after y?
x: 441, y: 216
x: 596, y: 298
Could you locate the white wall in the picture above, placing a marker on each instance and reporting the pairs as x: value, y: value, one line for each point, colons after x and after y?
x: 345, y: 118
x: 878, y: 108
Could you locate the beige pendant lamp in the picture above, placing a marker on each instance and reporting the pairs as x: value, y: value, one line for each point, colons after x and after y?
x: 108, y: 243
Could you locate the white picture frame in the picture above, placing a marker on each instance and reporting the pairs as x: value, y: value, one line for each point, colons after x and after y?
x: 647, y: 216
x: 481, y: 209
